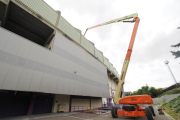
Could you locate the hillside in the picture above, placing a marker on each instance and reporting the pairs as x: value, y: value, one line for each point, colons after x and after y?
x: 173, y: 91
x: 173, y: 108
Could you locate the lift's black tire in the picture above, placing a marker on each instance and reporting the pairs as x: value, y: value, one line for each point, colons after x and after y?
x: 152, y: 110
x: 114, y: 112
x: 149, y: 114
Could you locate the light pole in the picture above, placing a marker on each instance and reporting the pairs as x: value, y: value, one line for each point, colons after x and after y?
x: 167, y: 62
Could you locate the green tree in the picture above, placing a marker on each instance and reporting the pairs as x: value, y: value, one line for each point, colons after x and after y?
x: 149, y: 91
x: 177, y: 53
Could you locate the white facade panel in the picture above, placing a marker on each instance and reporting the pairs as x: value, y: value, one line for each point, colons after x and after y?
x: 52, y: 84
x: 101, y: 67
x: 34, y: 52
x: 43, y: 56
x: 24, y: 49
x: 66, y: 86
x: 36, y: 81
x: 12, y: 78
x: 13, y: 44
x: 44, y: 87
x: 60, y: 85
x: 25, y: 79
x: 31, y: 67
x: 4, y: 68
x: 4, y: 38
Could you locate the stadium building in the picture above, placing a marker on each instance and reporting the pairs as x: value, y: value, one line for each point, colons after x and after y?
x: 46, y: 64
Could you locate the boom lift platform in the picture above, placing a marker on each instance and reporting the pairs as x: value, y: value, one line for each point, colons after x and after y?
x: 131, y: 104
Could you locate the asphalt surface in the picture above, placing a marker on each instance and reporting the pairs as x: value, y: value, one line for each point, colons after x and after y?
x: 84, y: 116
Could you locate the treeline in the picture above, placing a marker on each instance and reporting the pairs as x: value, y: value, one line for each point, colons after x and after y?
x: 148, y: 90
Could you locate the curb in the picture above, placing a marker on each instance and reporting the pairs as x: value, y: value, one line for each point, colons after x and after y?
x: 171, y: 118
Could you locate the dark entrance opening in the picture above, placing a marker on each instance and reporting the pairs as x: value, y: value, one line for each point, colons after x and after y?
x: 14, y: 103
x: 43, y: 103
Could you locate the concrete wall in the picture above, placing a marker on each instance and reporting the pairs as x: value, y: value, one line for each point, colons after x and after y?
x: 88, y: 73
x: 26, y: 66
x: 80, y: 102
x: 60, y: 99
x: 96, y: 102
x: 44, y: 12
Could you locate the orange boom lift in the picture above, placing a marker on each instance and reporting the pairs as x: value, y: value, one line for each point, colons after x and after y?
x: 131, y: 104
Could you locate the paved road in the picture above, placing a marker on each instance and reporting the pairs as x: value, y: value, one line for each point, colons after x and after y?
x: 83, y: 116
x: 86, y: 116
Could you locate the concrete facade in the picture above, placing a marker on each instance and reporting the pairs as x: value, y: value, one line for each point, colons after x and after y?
x: 43, y: 56
x: 61, y: 99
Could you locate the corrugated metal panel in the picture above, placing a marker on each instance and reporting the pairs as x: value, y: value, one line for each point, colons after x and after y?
x: 69, y: 30
x: 42, y: 9
x: 106, y: 62
x: 99, y: 55
x: 89, y: 46
x: 111, y: 67
x: 83, y: 42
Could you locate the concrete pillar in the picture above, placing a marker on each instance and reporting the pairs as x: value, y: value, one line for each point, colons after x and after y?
x: 3, y: 22
x: 50, y: 41
x: 61, y: 99
x: 70, y: 102
x: 31, y: 106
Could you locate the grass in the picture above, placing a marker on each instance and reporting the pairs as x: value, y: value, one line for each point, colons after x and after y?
x: 172, y: 108
x: 170, y: 92
x: 160, y: 103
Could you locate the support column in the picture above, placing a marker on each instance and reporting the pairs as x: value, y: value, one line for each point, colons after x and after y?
x: 90, y: 102
x: 70, y: 101
x: 31, y: 106
x: 50, y: 40
x: 6, y: 13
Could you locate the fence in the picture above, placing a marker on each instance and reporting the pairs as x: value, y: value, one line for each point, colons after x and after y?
x: 171, y: 87
x: 85, y: 109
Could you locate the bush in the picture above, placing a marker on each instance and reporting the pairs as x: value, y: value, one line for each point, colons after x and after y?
x: 177, y: 110
x: 175, y: 106
x: 164, y: 104
x: 170, y: 106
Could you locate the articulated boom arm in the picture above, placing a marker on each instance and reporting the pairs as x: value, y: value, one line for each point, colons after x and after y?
x: 113, y: 21
x: 118, y: 93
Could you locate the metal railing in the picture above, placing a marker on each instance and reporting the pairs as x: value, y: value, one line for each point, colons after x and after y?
x: 87, y: 109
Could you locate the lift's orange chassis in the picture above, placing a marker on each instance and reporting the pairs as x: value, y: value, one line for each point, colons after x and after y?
x: 136, y: 113
x: 135, y: 100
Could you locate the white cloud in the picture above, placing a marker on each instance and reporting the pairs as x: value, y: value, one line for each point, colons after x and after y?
x: 157, y: 31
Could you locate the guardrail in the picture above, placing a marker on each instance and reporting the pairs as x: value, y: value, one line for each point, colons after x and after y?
x: 86, y: 109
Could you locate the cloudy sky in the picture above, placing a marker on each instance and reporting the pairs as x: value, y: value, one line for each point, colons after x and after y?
x: 156, y: 33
